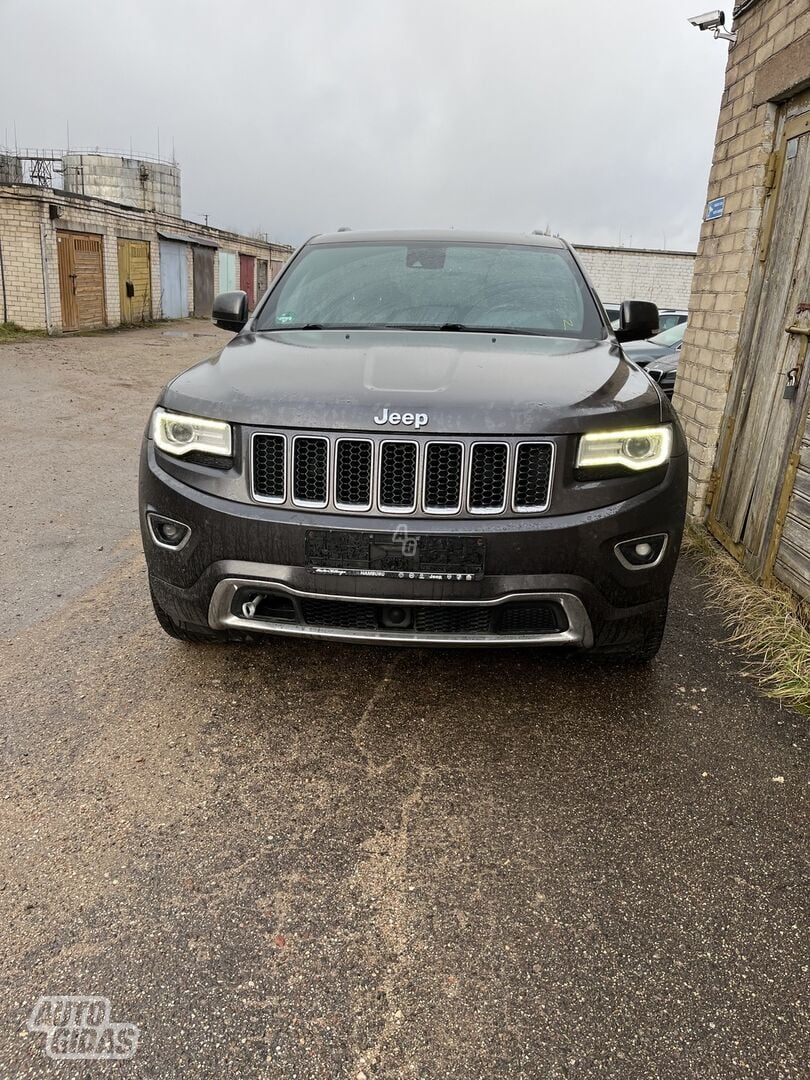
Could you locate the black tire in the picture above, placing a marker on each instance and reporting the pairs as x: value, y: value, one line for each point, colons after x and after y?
x: 197, y: 635
x: 632, y: 641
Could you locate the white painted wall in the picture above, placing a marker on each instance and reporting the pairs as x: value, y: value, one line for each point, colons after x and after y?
x: 665, y: 277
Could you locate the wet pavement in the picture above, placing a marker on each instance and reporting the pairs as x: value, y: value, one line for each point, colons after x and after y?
x: 298, y: 861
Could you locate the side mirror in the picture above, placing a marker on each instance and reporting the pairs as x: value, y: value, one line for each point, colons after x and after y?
x: 230, y: 311
x: 638, y: 320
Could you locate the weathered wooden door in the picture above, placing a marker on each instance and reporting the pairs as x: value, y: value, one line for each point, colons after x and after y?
x: 173, y: 279
x: 247, y: 278
x: 767, y: 404
x: 203, y: 258
x: 134, y: 281
x: 227, y: 271
x: 81, y: 280
x: 261, y: 278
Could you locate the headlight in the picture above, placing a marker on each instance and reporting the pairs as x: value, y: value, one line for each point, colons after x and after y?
x: 177, y: 434
x: 639, y: 448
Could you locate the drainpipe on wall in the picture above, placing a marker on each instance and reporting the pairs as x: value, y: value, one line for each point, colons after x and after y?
x: 45, y: 279
x: 3, y: 278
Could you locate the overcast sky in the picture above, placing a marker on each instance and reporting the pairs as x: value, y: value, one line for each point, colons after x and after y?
x: 595, y: 118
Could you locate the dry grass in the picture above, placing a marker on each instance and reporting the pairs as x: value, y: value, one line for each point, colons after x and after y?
x: 771, y: 624
x: 10, y: 331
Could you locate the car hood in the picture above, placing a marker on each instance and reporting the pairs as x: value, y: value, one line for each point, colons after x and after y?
x: 466, y: 383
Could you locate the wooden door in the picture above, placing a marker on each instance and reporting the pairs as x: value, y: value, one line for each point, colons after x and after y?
x: 67, y: 281
x: 227, y: 271
x: 203, y: 281
x: 261, y: 278
x: 762, y: 423
x: 134, y: 281
x: 81, y: 280
x: 247, y: 278
x: 792, y: 546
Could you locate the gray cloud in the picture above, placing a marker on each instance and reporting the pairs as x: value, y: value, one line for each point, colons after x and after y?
x: 594, y: 118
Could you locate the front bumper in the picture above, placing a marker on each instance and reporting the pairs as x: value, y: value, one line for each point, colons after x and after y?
x: 567, y: 561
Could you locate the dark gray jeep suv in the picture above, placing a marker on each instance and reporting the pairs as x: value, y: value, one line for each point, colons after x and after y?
x: 418, y: 437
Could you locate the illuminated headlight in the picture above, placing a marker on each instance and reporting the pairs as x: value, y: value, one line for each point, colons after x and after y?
x: 177, y: 434
x: 639, y: 448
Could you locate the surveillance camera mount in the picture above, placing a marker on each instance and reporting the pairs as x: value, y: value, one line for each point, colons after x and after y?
x: 715, y: 21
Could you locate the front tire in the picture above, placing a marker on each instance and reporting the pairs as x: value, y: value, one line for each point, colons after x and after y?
x: 632, y: 641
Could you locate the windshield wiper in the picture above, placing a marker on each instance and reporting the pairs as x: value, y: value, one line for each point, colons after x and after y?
x: 462, y: 328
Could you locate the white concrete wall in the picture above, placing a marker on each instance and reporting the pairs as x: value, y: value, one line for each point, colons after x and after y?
x: 665, y: 277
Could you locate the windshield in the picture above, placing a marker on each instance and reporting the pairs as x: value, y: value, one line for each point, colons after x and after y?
x: 433, y: 285
x: 670, y: 337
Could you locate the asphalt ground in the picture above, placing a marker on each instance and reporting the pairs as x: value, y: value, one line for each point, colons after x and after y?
x: 302, y: 860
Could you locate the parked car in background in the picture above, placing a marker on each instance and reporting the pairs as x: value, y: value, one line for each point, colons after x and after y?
x: 662, y: 344
x: 664, y: 371
x: 667, y: 317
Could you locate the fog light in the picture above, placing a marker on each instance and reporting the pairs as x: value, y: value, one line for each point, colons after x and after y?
x: 641, y: 552
x: 168, y: 533
x: 396, y: 618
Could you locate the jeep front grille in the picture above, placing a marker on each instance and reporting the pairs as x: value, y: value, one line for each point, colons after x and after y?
x: 532, y: 476
x: 399, y: 476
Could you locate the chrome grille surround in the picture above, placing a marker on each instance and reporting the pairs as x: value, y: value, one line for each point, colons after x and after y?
x: 436, y: 480
x: 482, y: 501
x: 271, y: 474
x: 456, y: 476
x: 353, y: 450
x: 310, y: 471
x: 398, y: 469
x: 526, y: 473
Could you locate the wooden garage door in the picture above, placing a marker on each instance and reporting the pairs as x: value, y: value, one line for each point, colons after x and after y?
x: 793, y: 555
x: 227, y: 271
x: 247, y: 277
x: 134, y: 281
x: 764, y: 418
x: 261, y: 277
x: 203, y: 258
x: 81, y: 280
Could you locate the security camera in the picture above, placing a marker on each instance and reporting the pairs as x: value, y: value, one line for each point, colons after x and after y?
x: 714, y: 20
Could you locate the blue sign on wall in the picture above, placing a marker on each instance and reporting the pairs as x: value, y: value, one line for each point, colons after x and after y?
x: 715, y: 208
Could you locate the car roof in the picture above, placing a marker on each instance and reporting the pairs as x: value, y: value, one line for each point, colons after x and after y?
x: 459, y: 236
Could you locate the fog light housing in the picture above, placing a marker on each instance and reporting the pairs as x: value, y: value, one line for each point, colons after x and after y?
x: 642, y: 551
x: 396, y: 618
x: 168, y: 533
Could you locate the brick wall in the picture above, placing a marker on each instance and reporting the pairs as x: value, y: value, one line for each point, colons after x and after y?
x: 746, y: 132
x: 27, y: 232
x: 21, y: 264
x: 665, y: 277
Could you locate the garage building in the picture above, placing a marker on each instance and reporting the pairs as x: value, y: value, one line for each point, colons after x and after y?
x: 743, y: 388
x: 72, y: 261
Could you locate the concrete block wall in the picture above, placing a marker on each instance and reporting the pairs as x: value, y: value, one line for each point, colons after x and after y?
x: 746, y: 133
x: 665, y: 277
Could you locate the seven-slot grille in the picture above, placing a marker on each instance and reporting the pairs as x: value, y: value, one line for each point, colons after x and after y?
x: 358, y: 474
